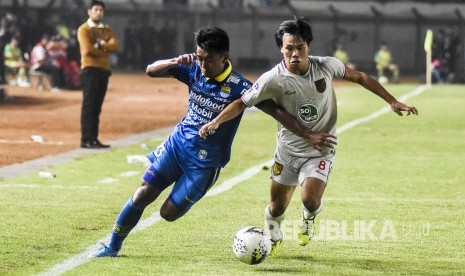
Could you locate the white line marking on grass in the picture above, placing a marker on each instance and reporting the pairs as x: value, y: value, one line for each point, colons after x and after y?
x: 83, y: 257
x: 19, y: 186
x: 380, y: 112
x: 229, y: 183
x: 108, y: 180
x: 129, y: 173
x: 47, y: 186
x: 6, y: 141
x: 225, y: 186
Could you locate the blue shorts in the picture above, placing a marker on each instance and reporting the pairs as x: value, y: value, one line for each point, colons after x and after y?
x: 190, y: 184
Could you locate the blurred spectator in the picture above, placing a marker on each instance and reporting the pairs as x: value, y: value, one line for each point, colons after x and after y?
x: 436, y: 71
x: 15, y: 65
x: 445, y: 49
x: 384, y: 63
x: 73, y: 48
x: 5, y: 36
x: 39, y: 62
x: 56, y: 52
x: 73, y: 68
x: 343, y: 56
x: 63, y: 31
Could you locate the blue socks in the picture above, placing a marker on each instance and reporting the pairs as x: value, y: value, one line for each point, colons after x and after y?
x: 127, y: 219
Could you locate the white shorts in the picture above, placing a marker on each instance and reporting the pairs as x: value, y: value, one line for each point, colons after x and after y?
x: 292, y: 171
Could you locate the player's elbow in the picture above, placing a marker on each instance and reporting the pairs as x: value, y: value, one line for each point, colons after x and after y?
x: 240, y: 106
x: 367, y: 79
x: 362, y: 78
x: 150, y: 71
x: 153, y: 70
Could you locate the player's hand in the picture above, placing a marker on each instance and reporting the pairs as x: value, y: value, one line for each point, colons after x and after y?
x: 207, y: 129
x: 398, y: 107
x: 186, y: 59
x: 320, y: 140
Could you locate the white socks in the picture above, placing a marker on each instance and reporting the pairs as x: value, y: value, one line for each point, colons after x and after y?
x: 273, y: 224
x: 312, y: 215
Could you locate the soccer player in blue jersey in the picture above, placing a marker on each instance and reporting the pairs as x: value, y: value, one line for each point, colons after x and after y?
x: 185, y: 159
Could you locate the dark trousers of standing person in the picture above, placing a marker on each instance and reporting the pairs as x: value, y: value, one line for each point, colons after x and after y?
x: 94, y: 83
x: 2, y: 78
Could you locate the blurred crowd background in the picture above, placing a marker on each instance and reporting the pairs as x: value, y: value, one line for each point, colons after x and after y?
x: 382, y: 37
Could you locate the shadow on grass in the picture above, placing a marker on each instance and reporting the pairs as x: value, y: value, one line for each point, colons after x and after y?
x: 310, y: 262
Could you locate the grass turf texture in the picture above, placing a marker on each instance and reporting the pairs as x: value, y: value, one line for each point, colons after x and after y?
x: 405, y: 173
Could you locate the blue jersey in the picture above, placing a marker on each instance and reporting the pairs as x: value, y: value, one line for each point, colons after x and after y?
x: 207, y: 98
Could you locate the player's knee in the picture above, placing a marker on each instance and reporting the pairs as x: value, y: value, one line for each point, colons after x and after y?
x: 144, y: 195
x: 170, y: 212
x: 276, y: 209
x: 168, y: 216
x: 311, y: 203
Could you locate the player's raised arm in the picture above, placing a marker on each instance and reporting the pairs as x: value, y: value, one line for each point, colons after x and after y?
x: 230, y: 112
x: 374, y: 86
x: 160, y: 67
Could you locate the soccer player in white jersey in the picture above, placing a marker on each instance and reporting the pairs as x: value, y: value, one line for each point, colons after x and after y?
x: 302, y: 85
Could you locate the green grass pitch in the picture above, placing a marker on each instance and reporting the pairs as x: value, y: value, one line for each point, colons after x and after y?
x: 394, y: 204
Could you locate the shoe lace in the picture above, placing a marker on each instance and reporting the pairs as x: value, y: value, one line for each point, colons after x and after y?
x: 307, y: 226
x: 105, y: 247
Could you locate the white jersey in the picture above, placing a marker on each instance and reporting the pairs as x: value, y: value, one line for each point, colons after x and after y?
x: 310, y: 98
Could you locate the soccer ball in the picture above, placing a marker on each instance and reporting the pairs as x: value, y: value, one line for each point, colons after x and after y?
x: 383, y: 80
x: 252, y: 245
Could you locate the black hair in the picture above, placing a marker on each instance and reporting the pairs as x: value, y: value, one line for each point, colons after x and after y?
x: 96, y: 3
x: 212, y: 39
x: 298, y: 26
x: 45, y: 36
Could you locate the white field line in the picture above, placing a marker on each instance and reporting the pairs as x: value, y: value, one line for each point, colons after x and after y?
x: 47, y: 186
x: 380, y: 112
x: 225, y: 186
x: 6, y: 141
x: 82, y: 258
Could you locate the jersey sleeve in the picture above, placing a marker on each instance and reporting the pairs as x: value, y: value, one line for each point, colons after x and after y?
x: 261, y: 90
x: 336, y: 67
x: 181, y: 73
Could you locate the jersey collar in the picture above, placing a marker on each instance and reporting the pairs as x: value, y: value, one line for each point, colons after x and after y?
x: 223, y: 75
x: 283, y: 64
x: 93, y: 25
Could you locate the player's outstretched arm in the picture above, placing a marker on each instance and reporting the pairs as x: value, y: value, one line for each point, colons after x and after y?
x: 374, y: 86
x: 160, y: 67
x: 230, y: 112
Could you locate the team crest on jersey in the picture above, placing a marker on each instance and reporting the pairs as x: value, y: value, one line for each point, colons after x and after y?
x: 202, y: 154
x: 320, y: 85
x: 277, y: 168
x: 225, y: 91
x: 116, y: 228
x: 308, y: 113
